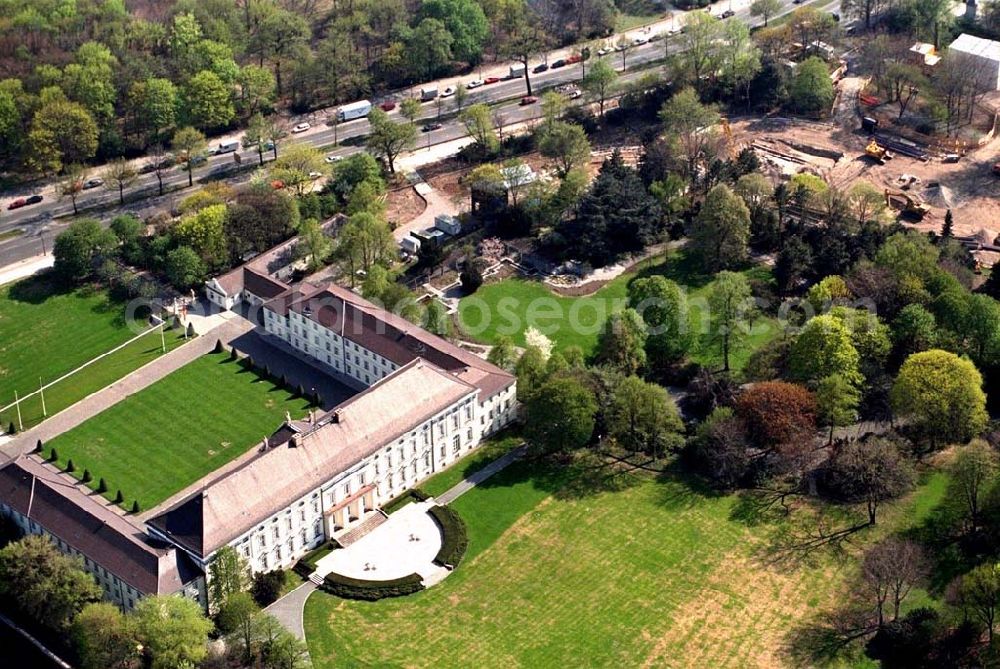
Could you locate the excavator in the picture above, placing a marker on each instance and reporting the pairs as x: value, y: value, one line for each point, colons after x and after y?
x: 906, y: 205
x: 877, y: 152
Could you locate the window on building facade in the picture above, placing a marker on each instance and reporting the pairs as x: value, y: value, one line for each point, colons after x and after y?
x: 456, y: 444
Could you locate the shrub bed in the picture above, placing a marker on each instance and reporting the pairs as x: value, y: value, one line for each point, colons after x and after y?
x: 455, y: 539
x: 354, y: 588
x: 307, y: 564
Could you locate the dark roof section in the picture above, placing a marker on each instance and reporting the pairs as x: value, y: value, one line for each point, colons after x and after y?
x: 262, y: 285
x: 390, y: 336
x: 34, y: 490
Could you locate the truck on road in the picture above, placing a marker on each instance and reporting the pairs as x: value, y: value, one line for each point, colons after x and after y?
x: 517, y: 71
x: 428, y: 93
x: 354, y: 110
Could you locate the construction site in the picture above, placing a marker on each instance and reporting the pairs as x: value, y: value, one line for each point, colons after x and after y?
x: 920, y: 182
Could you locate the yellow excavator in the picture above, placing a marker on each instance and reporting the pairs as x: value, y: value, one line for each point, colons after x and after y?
x: 877, y: 152
x: 906, y: 205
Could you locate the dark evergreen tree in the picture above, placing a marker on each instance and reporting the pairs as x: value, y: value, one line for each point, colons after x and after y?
x: 102, y: 486
x: 38, y: 446
x: 12, y: 429
x: 135, y: 506
x: 70, y: 467
x: 53, y: 455
x: 190, y: 330
x: 87, y: 478
x: 119, y: 497
x: 948, y: 229
x: 219, y: 347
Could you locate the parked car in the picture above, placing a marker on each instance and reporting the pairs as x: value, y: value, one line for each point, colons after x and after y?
x: 491, y: 80
x: 93, y: 183
x: 604, y: 50
x: 448, y: 92
x: 387, y: 106
x: 315, y: 175
x: 574, y: 94
x: 558, y: 63
x: 301, y: 127
x: 34, y: 199
x: 728, y: 14
x: 540, y: 68
x: 639, y: 41
x: 18, y: 203
x: 430, y: 127
x: 528, y: 100
x: 333, y: 159
x: 475, y: 83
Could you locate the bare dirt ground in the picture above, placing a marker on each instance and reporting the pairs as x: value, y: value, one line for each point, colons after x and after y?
x: 403, y: 205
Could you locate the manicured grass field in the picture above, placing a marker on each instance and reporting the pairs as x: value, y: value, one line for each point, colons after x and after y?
x: 641, y: 573
x: 490, y: 450
x: 45, y: 333
x: 177, y: 430
x: 511, y: 306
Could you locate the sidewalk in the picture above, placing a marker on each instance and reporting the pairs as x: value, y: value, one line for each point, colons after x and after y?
x: 145, y: 376
x: 24, y: 268
x: 475, y: 479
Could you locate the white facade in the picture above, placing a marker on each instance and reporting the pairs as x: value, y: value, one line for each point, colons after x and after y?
x: 982, y: 57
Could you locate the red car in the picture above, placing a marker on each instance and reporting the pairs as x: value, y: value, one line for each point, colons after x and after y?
x: 528, y: 100
x: 491, y: 80
x: 387, y: 106
x: 18, y: 203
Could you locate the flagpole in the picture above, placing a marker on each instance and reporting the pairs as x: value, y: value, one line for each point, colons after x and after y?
x: 17, y: 403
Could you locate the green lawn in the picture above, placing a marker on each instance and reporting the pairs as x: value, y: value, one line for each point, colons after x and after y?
x: 45, y: 333
x: 490, y: 450
x: 634, y: 13
x: 167, y: 436
x: 641, y: 573
x: 511, y: 306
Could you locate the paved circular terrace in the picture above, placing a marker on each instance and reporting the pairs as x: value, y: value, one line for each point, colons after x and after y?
x: 404, y: 544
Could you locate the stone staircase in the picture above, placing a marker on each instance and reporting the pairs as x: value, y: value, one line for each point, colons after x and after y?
x: 367, y: 525
x: 316, y: 579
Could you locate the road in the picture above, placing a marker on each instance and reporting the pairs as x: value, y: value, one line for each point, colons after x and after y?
x: 30, y: 230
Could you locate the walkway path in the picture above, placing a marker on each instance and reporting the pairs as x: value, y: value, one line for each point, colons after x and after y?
x: 288, y: 609
x: 145, y: 376
x: 467, y: 484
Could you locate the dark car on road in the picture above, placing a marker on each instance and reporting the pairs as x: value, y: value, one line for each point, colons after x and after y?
x: 728, y: 14
x: 540, y: 68
x: 430, y: 127
x: 24, y: 201
x: 558, y: 63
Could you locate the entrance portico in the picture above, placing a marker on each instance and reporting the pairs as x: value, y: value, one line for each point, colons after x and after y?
x: 349, y: 511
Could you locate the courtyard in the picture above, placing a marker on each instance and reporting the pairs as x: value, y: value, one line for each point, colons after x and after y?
x: 186, y: 425
x: 625, y: 570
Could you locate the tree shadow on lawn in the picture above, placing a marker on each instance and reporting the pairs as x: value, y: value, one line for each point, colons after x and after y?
x: 565, y: 477
x: 38, y: 288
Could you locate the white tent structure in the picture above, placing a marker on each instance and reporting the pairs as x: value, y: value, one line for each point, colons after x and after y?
x: 982, y: 57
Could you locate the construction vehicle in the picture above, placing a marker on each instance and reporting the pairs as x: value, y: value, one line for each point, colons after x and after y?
x: 877, y: 152
x: 907, y: 206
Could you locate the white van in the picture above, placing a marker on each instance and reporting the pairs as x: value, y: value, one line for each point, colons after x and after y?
x: 227, y: 147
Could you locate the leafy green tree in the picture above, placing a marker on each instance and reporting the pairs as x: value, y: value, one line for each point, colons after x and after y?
x: 827, y: 292
x: 739, y: 59
x: 560, y: 416
x: 914, y: 329
x: 43, y: 583
x: 869, y: 335
x: 257, y: 89
x: 867, y: 201
x: 184, y: 268
x: 119, y: 175
x: 79, y: 248
x: 189, y: 146
x: 765, y: 9
x: 908, y: 255
x: 428, y: 48
x: 297, y: 167
x: 263, y: 132
x: 525, y: 38
x: 204, y: 233
x: 314, y: 244
x: 388, y: 139
x: 600, y: 82
x: 981, y: 327
x: 410, y: 109
x: 173, y: 630
x: 980, y: 595
x: 207, y: 101
x: 503, y: 354
x: 811, y: 90
x: 623, y: 343
x: 941, y: 395
x: 531, y: 372
x: 685, y: 117
x: 731, y: 307
x: 478, y: 123
x: 61, y: 133
x: 824, y: 348
x: 283, y: 36
x: 260, y: 218
x: 228, y: 574
x: 721, y: 232
x: 238, y: 618
x: 567, y: 144
x: 973, y: 478
x: 354, y: 170
x: 104, y: 638
x: 837, y: 402
x: 662, y: 304
x: 364, y: 241
x: 465, y: 22
x: 643, y: 417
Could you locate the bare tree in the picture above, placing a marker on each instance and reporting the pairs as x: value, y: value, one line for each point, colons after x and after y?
x: 119, y: 175
x: 868, y: 472
x: 70, y: 185
x: 499, y: 122
x: 157, y: 158
x: 890, y: 570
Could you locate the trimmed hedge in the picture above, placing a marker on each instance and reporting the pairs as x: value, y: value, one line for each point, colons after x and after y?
x: 455, y: 538
x: 307, y: 564
x: 354, y: 588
